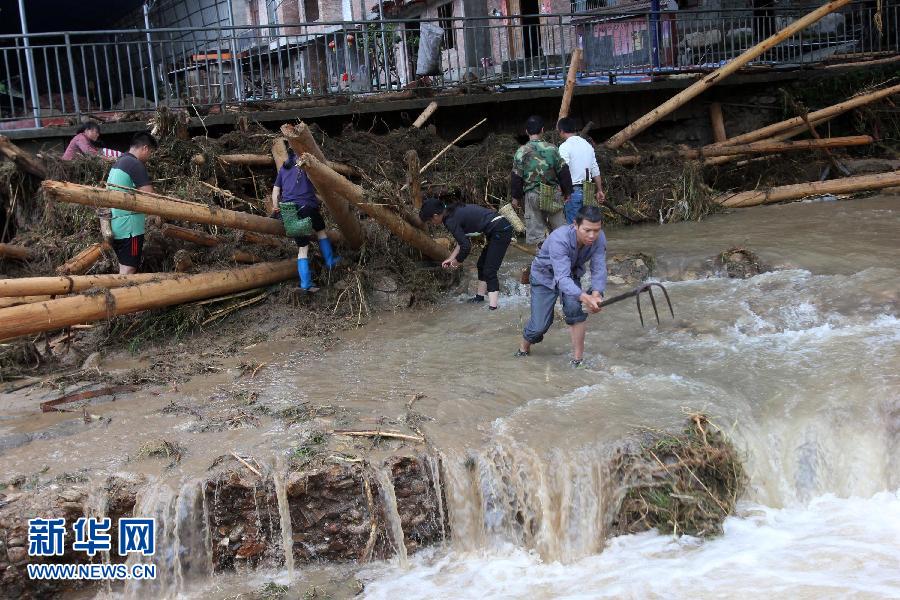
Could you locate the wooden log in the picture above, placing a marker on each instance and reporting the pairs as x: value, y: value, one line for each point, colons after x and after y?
x: 17, y: 300
x: 451, y: 144
x: 64, y: 312
x: 15, y: 252
x: 785, y: 135
x: 26, y: 161
x: 279, y: 153
x: 338, y: 206
x: 569, y: 90
x: 426, y: 114
x: 303, y: 141
x: 764, y: 147
x: 782, y: 193
x: 817, y: 117
x: 261, y: 240
x: 191, y: 235
x: 247, y: 160
x: 245, y: 258
x: 669, y: 106
x: 718, y: 122
x: 56, y: 286
x: 154, y: 204
x: 84, y: 260
x: 413, y: 179
x: 50, y: 405
x: 330, y: 183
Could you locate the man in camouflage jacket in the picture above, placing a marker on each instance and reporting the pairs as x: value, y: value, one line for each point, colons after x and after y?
x: 536, y: 166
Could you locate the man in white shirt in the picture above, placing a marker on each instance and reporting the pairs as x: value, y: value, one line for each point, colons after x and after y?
x: 579, y: 155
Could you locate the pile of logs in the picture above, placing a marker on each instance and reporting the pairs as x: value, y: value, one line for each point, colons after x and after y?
x: 37, y: 304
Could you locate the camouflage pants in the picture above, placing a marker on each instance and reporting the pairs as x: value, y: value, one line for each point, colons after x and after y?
x: 537, y: 221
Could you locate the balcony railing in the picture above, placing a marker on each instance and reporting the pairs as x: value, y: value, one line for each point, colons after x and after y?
x: 77, y: 73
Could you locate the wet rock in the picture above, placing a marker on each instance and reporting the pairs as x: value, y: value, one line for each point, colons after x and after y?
x: 250, y: 549
x: 15, y: 542
x: 17, y: 556
x: 629, y: 268
x: 92, y: 362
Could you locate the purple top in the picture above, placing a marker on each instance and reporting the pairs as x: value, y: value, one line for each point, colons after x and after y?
x: 560, y: 263
x: 79, y: 145
x: 296, y: 187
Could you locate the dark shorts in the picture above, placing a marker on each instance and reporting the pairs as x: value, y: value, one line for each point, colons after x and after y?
x: 129, y: 250
x: 318, y: 223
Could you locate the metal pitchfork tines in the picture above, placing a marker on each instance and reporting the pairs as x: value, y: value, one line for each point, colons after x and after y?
x: 636, y: 292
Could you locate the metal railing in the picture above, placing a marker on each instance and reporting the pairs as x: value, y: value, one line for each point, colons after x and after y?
x: 92, y: 72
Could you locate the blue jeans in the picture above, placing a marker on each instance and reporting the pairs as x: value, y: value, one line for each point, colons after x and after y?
x: 576, y: 201
x: 543, y: 301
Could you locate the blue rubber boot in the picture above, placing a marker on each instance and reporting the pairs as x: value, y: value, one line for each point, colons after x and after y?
x: 328, y: 253
x: 306, y: 281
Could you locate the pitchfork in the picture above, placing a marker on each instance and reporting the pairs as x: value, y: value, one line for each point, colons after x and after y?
x: 636, y: 292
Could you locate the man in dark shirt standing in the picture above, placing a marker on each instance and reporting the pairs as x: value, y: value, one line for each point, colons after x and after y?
x: 293, y: 185
x: 463, y: 220
x: 130, y: 173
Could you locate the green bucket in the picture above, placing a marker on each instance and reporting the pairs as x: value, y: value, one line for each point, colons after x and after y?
x: 294, y: 226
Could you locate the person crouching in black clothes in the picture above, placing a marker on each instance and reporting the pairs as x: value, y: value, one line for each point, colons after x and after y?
x: 465, y: 219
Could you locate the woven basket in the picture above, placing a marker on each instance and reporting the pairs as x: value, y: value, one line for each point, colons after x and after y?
x: 548, y: 199
x: 509, y: 213
x: 293, y: 225
x: 589, y: 197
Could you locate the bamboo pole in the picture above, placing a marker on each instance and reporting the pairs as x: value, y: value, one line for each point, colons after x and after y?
x: 15, y: 252
x: 56, y: 286
x: 247, y: 160
x: 669, y: 106
x: 764, y: 147
x: 571, y: 78
x: 245, y: 258
x: 782, y: 193
x: 84, y: 260
x: 451, y: 144
x: 816, y: 117
x: 64, y: 312
x: 301, y: 140
x: 338, y: 206
x: 426, y: 114
x: 154, y: 204
x: 717, y: 120
x: 190, y: 235
x: 24, y: 160
x: 330, y: 183
x: 279, y: 153
x: 261, y: 240
x: 413, y: 180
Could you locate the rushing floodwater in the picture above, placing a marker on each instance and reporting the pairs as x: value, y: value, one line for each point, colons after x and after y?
x: 799, y: 366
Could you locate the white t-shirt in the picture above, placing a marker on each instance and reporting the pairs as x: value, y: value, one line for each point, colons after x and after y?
x: 579, y: 155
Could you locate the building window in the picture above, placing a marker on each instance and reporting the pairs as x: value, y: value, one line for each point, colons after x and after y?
x: 311, y: 10
x: 445, y: 16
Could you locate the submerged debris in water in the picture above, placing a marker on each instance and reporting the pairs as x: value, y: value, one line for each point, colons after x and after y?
x: 681, y: 484
x: 740, y: 263
x: 163, y: 449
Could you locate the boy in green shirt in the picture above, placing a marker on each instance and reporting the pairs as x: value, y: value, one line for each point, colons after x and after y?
x: 130, y: 173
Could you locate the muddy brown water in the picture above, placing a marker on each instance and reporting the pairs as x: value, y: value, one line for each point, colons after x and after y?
x: 799, y: 365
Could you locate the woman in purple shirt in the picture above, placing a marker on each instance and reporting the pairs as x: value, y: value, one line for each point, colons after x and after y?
x: 85, y: 142
x: 293, y: 185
